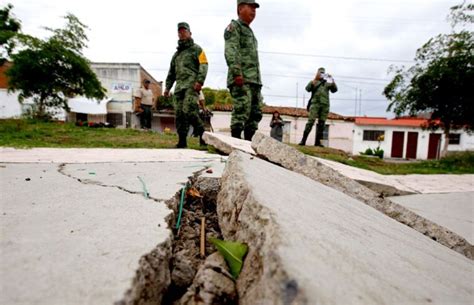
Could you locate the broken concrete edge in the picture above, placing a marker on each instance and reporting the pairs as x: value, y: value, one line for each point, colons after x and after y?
x: 159, y: 269
x: 384, y: 190
x: 291, y: 159
x: 226, y: 147
x: 243, y: 219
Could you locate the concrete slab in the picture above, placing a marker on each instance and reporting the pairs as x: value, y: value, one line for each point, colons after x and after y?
x: 74, y: 233
x: 65, y: 242
x: 227, y: 144
x: 454, y: 211
x: 98, y: 155
x: 296, y: 161
x: 162, y: 180
x: 311, y: 244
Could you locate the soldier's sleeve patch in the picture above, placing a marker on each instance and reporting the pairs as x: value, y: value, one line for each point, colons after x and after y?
x: 228, y: 31
x: 202, y: 58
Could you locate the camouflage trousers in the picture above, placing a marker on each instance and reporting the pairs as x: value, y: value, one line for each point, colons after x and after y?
x: 247, y: 110
x: 318, y: 111
x: 187, y: 112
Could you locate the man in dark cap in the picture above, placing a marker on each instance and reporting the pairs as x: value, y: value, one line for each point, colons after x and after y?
x: 243, y: 77
x: 188, y: 69
x: 318, y: 106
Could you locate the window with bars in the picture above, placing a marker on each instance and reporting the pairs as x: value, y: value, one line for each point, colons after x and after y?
x: 373, y: 135
x: 454, y: 138
x: 116, y: 119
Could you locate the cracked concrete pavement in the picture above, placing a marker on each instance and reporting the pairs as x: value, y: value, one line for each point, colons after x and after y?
x: 75, y: 222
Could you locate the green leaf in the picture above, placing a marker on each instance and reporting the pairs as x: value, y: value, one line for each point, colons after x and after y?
x: 233, y: 253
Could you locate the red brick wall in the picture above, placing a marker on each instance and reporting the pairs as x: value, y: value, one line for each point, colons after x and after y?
x: 3, y: 77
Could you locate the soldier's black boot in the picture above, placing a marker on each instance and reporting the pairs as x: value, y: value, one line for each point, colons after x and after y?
x: 201, y: 141
x: 319, y: 134
x: 182, y: 141
x: 305, y: 137
x: 248, y: 134
x: 236, y: 132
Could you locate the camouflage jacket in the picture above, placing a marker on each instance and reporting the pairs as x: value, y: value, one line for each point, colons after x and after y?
x: 188, y: 66
x: 320, y: 93
x: 241, y: 53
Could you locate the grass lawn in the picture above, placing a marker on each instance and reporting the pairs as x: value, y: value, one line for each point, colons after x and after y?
x: 31, y: 133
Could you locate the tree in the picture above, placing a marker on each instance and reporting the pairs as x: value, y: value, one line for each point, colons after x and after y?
x: 9, y: 28
x: 54, y: 69
x: 440, y: 80
x: 217, y: 96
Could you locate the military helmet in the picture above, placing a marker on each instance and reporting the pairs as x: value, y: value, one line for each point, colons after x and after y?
x: 184, y: 25
x: 248, y: 2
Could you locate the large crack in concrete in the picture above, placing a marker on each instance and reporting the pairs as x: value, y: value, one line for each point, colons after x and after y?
x: 174, y: 272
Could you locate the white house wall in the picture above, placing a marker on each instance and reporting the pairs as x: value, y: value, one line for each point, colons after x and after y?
x: 341, y: 135
x: 423, y: 140
x: 9, y: 105
x: 466, y: 142
x: 120, y: 81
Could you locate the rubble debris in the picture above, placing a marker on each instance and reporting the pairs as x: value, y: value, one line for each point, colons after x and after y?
x: 212, y: 285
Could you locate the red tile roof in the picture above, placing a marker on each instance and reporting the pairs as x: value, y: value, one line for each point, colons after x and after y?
x: 405, y: 121
x: 290, y: 111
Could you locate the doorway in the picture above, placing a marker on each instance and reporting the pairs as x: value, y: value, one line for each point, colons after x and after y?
x: 434, y: 146
x: 398, y: 137
x: 412, y: 145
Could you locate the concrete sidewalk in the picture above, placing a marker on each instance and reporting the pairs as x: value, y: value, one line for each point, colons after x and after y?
x: 423, y: 184
x: 454, y: 211
x: 75, y: 222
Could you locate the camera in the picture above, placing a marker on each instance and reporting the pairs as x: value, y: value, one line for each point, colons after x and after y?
x: 326, y: 78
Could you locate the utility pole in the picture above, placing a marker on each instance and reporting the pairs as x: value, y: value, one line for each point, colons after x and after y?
x: 355, y: 108
x: 360, y: 102
x: 296, y: 94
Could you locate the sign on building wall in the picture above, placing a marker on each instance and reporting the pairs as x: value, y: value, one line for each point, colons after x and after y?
x: 121, y: 88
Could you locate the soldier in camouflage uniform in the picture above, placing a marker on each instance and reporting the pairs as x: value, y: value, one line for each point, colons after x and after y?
x: 189, y: 69
x: 243, y: 78
x: 319, y: 104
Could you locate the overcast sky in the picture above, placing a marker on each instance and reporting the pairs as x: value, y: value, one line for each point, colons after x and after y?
x: 355, y: 40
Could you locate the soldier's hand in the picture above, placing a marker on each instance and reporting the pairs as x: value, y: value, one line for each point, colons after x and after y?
x: 239, y: 81
x: 167, y: 93
x: 197, y: 86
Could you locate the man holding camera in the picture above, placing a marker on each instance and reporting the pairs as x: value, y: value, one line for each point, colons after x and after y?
x: 318, y: 105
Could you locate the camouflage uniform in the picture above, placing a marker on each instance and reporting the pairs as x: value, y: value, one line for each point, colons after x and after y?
x: 188, y: 66
x: 242, y: 60
x: 319, y: 107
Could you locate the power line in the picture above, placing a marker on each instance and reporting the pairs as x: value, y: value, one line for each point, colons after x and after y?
x: 337, y: 57
x: 302, y: 55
